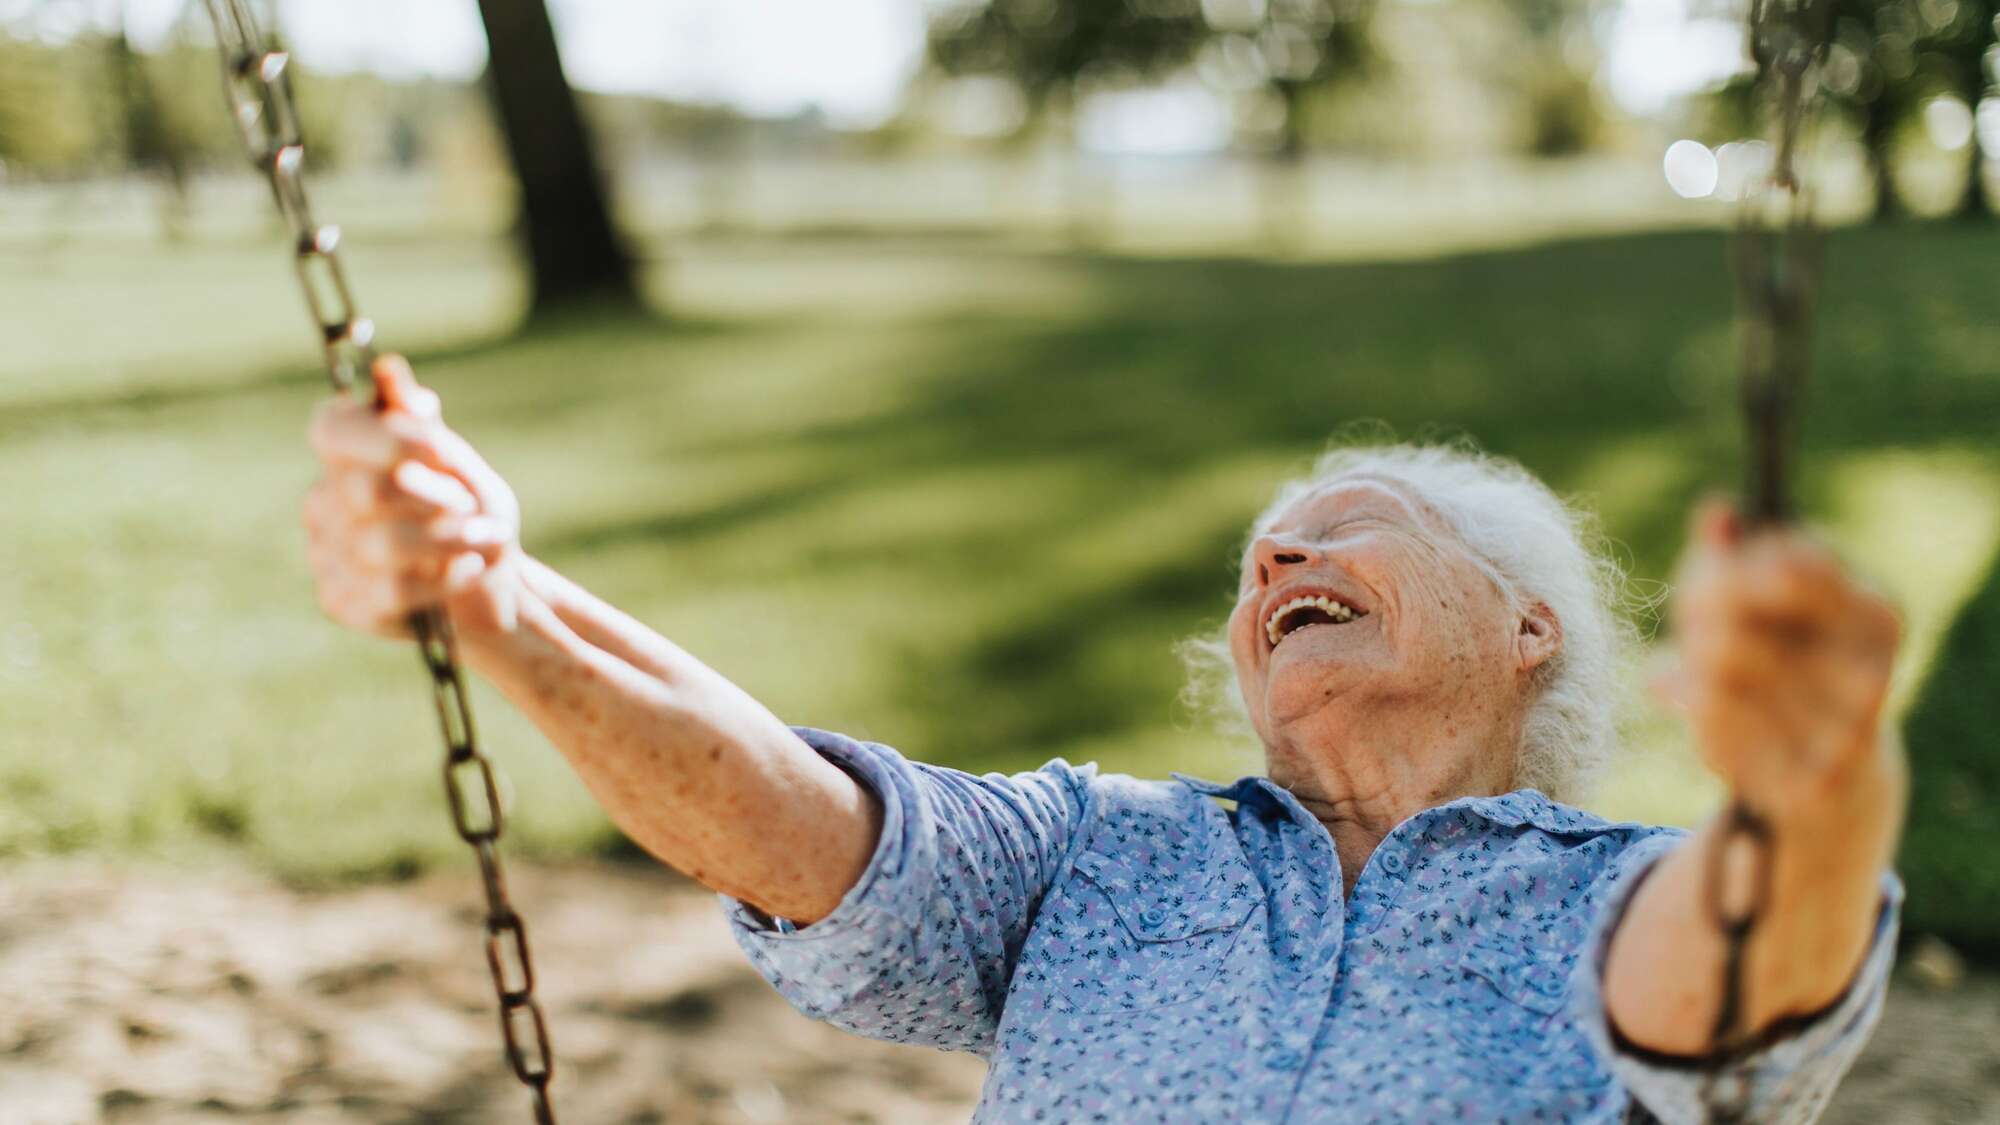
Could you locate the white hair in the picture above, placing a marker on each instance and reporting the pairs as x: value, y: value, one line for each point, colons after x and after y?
x: 1535, y: 548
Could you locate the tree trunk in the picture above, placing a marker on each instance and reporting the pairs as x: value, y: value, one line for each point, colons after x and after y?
x: 152, y: 147
x: 1088, y: 202
x: 1974, y: 201
x: 1878, y: 124
x: 1284, y: 196
x: 574, y: 253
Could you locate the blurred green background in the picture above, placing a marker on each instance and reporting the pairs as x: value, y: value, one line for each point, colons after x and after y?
x: 938, y: 440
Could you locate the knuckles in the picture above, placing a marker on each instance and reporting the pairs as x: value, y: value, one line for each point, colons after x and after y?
x: 321, y: 425
x: 313, y: 511
x: 376, y: 549
x: 1781, y: 649
x: 1802, y: 585
x: 349, y: 430
x: 350, y: 538
x: 423, y: 448
x: 1793, y: 615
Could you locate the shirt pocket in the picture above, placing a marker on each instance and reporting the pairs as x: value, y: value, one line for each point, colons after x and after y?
x: 1124, y: 938
x: 1509, y: 1009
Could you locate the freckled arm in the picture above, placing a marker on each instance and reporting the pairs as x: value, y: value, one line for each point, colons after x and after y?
x: 1662, y: 983
x: 691, y: 767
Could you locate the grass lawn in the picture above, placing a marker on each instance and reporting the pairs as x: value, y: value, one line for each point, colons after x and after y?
x: 956, y: 496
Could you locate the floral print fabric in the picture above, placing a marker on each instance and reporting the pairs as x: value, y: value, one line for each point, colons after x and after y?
x: 1123, y: 951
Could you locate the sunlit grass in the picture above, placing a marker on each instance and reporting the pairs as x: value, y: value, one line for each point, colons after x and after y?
x: 1922, y: 524
x: 960, y: 498
x: 1925, y: 524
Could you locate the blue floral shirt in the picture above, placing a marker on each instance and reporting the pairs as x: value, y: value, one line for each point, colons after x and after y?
x: 1122, y: 951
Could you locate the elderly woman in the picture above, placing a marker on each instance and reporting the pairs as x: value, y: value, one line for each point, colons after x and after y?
x: 1399, y: 921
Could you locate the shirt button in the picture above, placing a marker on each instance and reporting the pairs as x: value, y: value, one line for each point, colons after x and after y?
x: 1285, y: 1060
x: 1393, y: 863
x: 1152, y: 916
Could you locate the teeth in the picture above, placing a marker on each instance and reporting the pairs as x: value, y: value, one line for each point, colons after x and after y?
x: 1336, y: 610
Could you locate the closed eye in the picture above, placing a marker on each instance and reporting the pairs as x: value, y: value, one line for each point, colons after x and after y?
x: 1322, y: 534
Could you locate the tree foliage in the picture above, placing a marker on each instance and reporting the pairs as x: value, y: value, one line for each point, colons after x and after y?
x: 1047, y: 47
x: 1295, y: 49
x: 1885, y: 61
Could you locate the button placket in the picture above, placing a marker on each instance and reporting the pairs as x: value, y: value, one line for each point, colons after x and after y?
x: 1301, y: 1017
x: 1391, y: 867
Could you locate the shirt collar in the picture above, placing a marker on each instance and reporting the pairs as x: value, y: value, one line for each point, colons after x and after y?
x: 1260, y: 791
x: 1521, y: 808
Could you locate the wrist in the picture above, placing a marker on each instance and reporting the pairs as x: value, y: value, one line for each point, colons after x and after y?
x: 497, y: 642
x: 1835, y: 840
x: 1864, y: 786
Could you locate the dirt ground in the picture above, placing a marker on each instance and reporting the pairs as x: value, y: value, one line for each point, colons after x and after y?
x: 157, y: 998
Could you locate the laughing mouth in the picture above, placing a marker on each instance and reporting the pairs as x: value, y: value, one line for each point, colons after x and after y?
x: 1307, y: 610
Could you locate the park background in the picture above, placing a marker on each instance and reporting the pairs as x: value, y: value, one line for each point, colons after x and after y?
x: 918, y: 365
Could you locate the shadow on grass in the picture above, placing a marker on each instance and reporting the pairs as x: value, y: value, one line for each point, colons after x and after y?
x: 1052, y: 677
x: 1561, y: 355
x: 1947, y: 858
x: 145, y: 397
x: 1603, y: 364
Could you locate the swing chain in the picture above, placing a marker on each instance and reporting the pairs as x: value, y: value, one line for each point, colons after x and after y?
x: 476, y: 813
x: 1777, y: 253
x: 1740, y: 831
x: 257, y: 86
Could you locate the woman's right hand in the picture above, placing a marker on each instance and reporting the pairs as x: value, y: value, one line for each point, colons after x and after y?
x: 407, y: 516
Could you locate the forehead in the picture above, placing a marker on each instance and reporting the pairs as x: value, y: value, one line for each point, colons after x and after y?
x: 1357, y: 493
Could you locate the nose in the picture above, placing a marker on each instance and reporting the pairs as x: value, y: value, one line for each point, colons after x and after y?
x: 1276, y: 555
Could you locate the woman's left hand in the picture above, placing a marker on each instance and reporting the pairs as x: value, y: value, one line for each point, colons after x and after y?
x: 1785, y: 662
x: 1784, y: 668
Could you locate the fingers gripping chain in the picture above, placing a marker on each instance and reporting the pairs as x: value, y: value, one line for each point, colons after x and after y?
x: 257, y: 86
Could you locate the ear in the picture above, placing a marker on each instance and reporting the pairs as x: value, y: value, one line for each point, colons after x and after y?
x: 1538, y: 639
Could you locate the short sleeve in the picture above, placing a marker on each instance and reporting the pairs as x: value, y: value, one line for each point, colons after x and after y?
x: 1789, y: 1080
x: 922, y: 947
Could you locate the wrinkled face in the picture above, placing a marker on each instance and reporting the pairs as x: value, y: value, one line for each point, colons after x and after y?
x: 1360, y: 601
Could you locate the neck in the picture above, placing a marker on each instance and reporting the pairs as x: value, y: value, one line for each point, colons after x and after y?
x: 1360, y: 782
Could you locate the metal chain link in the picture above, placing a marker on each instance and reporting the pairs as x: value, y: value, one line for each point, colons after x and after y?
x: 1740, y: 830
x: 1776, y: 254
x: 257, y: 86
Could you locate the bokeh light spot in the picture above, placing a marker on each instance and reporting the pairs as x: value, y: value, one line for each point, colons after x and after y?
x: 1691, y: 169
x: 1949, y: 122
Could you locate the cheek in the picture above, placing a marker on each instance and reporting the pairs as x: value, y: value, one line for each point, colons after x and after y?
x: 1456, y: 617
x: 1246, y: 652
x: 1242, y: 634
x: 1473, y: 623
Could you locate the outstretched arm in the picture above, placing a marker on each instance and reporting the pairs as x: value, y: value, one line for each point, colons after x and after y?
x: 691, y: 767
x: 1785, y: 665
x: 685, y: 762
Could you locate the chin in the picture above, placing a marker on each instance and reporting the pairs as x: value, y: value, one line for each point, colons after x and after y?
x: 1299, y: 688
